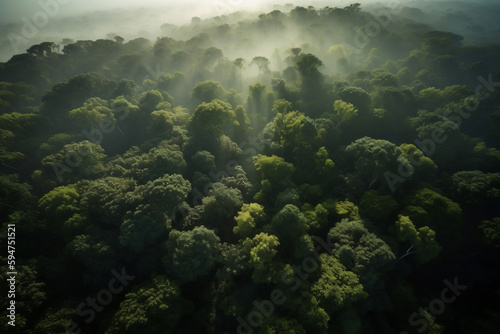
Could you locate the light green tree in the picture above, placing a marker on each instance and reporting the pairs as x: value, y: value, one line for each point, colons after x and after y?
x: 344, y: 112
x: 261, y: 250
x: 250, y: 217
x: 94, y: 112
x: 337, y: 286
x: 212, y: 119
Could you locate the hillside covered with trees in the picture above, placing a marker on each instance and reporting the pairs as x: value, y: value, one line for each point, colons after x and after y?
x: 303, y: 170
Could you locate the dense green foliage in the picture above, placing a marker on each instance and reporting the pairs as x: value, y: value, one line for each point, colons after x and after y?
x: 343, y: 184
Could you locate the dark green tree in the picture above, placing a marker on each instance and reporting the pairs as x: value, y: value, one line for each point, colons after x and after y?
x: 156, y: 305
x: 191, y: 253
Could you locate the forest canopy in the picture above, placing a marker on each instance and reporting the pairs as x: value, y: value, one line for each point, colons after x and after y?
x: 300, y: 170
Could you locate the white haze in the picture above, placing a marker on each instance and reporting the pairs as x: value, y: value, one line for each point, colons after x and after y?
x: 94, y: 19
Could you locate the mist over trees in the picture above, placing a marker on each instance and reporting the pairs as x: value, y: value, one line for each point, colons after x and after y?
x: 304, y: 169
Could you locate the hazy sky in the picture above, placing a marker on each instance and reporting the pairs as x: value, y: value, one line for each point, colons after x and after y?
x: 14, y: 10
x: 94, y: 19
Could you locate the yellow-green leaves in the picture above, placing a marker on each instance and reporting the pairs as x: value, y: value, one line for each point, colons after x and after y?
x: 262, y: 249
x: 336, y: 286
x: 344, y: 112
x: 423, y: 239
x: 250, y: 216
x: 60, y: 203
